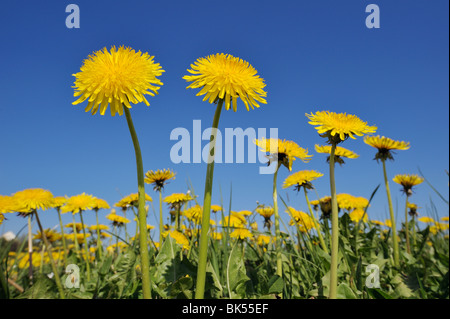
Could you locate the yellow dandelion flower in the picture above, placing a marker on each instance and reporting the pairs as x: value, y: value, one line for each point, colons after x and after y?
x: 1, y: 218
x: 116, y: 78
x: 337, y: 127
x: 357, y: 214
x: 263, y: 240
x: 241, y: 233
x: 179, y: 237
x: 216, y: 208
x: 159, y: 178
x: 51, y: 235
x: 388, y: 223
x: 285, y: 152
x: 78, y: 226
x: 377, y: 222
x: 117, y: 220
x: 408, y: 181
x: 245, y: 212
x: 216, y: 236
x: 194, y: 214
x: 59, y: 201
x: 302, y: 219
x: 8, y: 204
x: 223, y: 76
x: 301, y: 179
x: 444, y: 219
x: 385, y: 146
x: 234, y: 220
x: 100, y: 204
x: 99, y: 227
x: 32, y: 199
x: 338, y: 153
x: 349, y: 202
x: 177, y: 197
x: 131, y: 200
x: 426, y: 219
x: 78, y: 203
x: 265, y: 211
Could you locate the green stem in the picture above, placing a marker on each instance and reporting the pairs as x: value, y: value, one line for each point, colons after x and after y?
x: 391, y: 212
x: 203, y: 249
x: 63, y: 238
x: 99, y: 242
x: 414, y: 231
x: 316, y: 225
x: 334, y: 229
x: 277, y: 223
x: 48, y: 246
x: 30, y: 250
x: 161, y: 222
x: 142, y: 216
x: 88, y: 267
x: 75, y: 239
x: 408, y: 247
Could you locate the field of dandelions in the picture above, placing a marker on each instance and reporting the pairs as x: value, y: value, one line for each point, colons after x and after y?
x: 333, y: 249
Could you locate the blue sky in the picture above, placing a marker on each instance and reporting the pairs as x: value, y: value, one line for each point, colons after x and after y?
x: 313, y: 55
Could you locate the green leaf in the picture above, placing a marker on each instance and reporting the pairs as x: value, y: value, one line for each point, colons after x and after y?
x: 378, y: 294
x: 345, y: 292
x: 182, y: 287
x: 275, y: 285
x: 236, y: 273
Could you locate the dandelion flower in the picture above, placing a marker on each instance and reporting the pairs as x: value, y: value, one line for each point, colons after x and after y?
x: 385, y: 146
x: 241, y: 233
x: 32, y: 199
x: 301, y: 179
x: 338, y: 154
x: 117, y: 220
x: 78, y: 203
x: 285, y: 152
x: 225, y: 77
x: 408, y: 181
x: 131, y: 200
x: 159, y: 178
x: 337, y: 127
x: 116, y: 78
x: 179, y: 238
x: 426, y: 219
x: 357, y: 214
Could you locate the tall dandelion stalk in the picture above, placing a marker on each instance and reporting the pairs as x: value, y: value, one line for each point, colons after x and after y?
x: 303, y: 179
x: 284, y: 153
x: 116, y: 79
x: 336, y: 128
x: 408, y: 182
x: 385, y: 147
x: 223, y: 79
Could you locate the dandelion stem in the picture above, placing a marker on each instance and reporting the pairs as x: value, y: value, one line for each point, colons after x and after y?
x: 99, y: 242
x: 391, y: 212
x: 408, y: 247
x: 30, y: 250
x: 48, y: 246
x: 142, y: 216
x: 334, y: 228
x: 203, y: 249
x: 161, y: 222
x: 88, y: 267
x: 75, y: 238
x: 277, y: 223
x: 63, y: 237
x: 316, y: 225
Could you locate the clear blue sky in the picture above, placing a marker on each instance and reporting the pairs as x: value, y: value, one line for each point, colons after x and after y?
x: 313, y: 55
